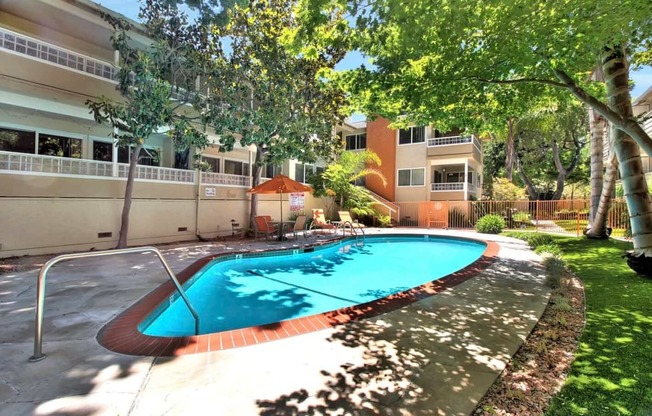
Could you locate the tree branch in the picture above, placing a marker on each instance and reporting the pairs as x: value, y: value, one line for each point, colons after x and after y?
x: 631, y: 127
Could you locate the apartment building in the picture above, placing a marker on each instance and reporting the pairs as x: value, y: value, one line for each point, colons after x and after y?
x: 62, y: 180
x: 427, y: 171
x: 419, y: 163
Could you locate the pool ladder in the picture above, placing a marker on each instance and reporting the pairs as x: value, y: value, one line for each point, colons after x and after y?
x: 40, y: 289
x: 354, y: 230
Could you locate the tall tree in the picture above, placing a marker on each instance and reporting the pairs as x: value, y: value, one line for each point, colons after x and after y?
x: 271, y: 97
x: 427, y: 51
x: 157, y: 85
x: 550, y: 148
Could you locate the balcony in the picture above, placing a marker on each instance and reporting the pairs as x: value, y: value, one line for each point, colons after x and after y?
x: 36, y: 49
x: 455, y: 146
x: 23, y: 163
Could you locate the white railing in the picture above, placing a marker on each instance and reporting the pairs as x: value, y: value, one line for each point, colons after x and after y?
x: 447, y: 141
x: 458, y: 186
x: 51, y: 164
x: 155, y: 173
x: 24, y: 162
x: 56, y: 55
x: 211, y: 178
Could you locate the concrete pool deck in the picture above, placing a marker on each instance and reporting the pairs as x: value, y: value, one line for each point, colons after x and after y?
x: 437, y: 356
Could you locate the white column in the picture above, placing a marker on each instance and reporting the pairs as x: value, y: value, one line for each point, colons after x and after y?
x: 114, y: 156
x: 466, y: 184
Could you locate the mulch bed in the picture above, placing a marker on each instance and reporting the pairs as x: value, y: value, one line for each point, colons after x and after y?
x: 539, y: 368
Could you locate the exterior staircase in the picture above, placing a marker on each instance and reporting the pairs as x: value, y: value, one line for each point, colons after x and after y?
x: 385, y: 206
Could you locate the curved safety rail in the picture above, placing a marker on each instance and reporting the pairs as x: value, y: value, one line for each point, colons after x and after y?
x: 40, y: 289
x: 354, y: 230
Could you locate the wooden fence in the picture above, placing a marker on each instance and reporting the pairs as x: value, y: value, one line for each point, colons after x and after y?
x: 562, y: 216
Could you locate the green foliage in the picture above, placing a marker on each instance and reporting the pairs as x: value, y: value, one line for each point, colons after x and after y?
x: 550, y: 249
x: 384, y: 221
x: 555, y: 269
x: 490, y: 224
x: 505, y: 190
x: 338, y: 179
x: 271, y: 97
x: 521, y: 216
x: 535, y: 240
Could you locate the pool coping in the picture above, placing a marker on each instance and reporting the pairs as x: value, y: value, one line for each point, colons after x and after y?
x: 122, y: 335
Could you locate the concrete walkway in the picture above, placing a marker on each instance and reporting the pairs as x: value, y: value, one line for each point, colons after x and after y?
x: 437, y: 356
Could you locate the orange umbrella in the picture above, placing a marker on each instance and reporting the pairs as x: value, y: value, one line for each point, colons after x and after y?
x: 280, y: 184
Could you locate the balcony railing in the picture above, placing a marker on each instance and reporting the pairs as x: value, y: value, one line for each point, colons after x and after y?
x: 24, y: 162
x: 458, y: 186
x: 156, y: 173
x: 52, y: 164
x: 211, y: 178
x: 447, y: 141
x: 56, y: 55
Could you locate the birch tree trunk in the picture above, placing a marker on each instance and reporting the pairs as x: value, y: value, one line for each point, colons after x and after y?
x: 597, y: 126
x: 129, y: 189
x: 639, y: 204
x: 598, y: 227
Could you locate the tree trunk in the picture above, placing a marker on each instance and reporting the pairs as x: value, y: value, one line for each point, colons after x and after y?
x: 598, y: 227
x: 639, y: 205
x: 255, y: 177
x: 509, y: 150
x: 532, y: 192
x: 597, y: 125
x: 126, y: 207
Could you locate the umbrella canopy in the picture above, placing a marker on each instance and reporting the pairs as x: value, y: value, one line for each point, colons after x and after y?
x: 280, y: 184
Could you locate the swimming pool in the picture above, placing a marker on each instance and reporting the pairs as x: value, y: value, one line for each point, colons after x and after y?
x: 240, y: 292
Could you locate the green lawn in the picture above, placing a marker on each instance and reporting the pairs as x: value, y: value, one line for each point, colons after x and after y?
x: 571, y: 227
x: 612, y: 372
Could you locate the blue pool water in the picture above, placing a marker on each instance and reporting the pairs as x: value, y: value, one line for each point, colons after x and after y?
x: 239, y: 293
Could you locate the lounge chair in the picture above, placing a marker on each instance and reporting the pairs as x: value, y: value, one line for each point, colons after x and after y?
x: 347, y: 221
x: 300, y: 226
x: 263, y: 226
x: 319, y: 221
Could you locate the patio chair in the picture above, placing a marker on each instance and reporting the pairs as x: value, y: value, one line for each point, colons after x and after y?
x: 263, y: 226
x: 347, y: 221
x: 319, y: 221
x: 300, y: 226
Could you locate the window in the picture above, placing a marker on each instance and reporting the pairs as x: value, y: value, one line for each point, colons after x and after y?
x: 412, y: 135
x: 303, y: 172
x: 269, y: 171
x: 411, y: 177
x: 17, y: 141
x: 213, y: 162
x: 236, y: 167
x: 59, y: 146
x: 356, y: 141
x: 103, y: 151
x: 147, y: 157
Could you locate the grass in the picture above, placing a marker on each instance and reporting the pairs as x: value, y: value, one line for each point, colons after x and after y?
x: 570, y: 226
x: 612, y: 372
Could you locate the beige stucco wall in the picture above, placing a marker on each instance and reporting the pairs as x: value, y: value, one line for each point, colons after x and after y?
x: 45, y: 214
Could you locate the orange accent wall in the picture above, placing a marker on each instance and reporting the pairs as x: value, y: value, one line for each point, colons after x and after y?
x: 382, y: 140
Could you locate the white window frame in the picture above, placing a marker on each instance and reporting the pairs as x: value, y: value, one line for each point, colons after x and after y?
x: 411, y: 185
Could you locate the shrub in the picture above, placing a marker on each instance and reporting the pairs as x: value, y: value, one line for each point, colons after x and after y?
x: 555, y: 267
x: 384, y: 220
x: 490, y: 224
x: 552, y: 249
x: 538, y: 239
x: 521, y: 216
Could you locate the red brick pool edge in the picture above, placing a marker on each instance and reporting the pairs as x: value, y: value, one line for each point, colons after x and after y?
x: 121, y: 334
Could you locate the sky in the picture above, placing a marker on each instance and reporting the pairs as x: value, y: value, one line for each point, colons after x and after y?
x: 642, y: 78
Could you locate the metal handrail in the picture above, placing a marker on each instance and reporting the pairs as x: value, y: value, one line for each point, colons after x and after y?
x: 353, y: 229
x: 40, y: 289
